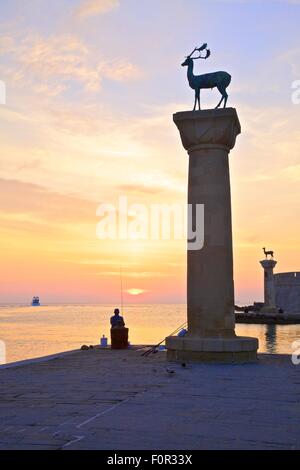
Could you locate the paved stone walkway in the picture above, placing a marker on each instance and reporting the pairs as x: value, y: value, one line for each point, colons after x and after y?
x: 103, y: 399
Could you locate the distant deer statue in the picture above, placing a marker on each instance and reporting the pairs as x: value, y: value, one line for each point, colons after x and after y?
x: 221, y: 80
x: 268, y: 253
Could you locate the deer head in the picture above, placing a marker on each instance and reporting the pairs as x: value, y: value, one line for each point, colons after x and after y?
x: 190, y: 58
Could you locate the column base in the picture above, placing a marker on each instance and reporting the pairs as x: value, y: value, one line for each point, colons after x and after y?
x: 239, y: 349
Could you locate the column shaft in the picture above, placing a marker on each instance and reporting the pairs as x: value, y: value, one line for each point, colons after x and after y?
x: 210, y: 290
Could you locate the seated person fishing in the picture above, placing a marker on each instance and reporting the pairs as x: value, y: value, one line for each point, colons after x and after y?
x: 117, y: 320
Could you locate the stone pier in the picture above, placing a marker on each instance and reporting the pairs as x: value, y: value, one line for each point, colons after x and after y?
x: 119, y: 400
x: 269, y: 286
x: 208, y: 136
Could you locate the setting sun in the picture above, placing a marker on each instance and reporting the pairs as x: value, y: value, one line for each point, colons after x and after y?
x: 136, y: 291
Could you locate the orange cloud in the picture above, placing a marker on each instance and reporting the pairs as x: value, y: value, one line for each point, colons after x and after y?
x: 90, y: 8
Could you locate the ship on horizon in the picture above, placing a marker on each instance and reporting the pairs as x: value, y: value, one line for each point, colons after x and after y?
x: 35, y: 302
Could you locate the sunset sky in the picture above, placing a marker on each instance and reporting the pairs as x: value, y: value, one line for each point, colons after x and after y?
x: 91, y: 89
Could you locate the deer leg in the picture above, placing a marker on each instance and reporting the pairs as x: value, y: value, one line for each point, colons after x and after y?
x: 226, y: 98
x: 195, y: 101
x: 198, y: 98
x: 223, y: 93
x: 219, y: 104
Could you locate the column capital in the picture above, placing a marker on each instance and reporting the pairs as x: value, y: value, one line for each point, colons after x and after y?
x: 268, y: 263
x: 209, y: 128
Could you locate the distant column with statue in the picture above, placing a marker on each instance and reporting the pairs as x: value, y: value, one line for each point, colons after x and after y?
x: 268, y: 265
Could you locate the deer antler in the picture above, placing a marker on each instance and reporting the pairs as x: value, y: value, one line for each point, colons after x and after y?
x: 199, y: 49
x: 204, y: 46
x: 189, y: 56
x: 205, y: 57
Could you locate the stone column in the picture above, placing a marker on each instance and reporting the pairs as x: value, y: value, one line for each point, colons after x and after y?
x: 269, y: 286
x: 208, y: 136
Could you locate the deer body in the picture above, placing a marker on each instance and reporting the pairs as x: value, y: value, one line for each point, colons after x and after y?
x: 219, y: 80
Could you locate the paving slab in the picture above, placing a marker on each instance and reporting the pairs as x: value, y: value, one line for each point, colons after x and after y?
x: 104, y: 399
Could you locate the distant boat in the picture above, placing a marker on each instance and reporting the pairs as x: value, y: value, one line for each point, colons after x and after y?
x: 35, y: 302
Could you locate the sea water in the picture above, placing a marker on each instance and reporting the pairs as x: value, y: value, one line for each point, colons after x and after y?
x: 29, y: 332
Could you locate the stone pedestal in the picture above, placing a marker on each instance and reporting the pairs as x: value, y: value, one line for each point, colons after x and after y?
x: 269, y: 286
x: 208, y: 136
x: 119, y: 337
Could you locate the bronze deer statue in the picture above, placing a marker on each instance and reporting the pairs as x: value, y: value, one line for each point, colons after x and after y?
x: 268, y: 253
x: 221, y: 80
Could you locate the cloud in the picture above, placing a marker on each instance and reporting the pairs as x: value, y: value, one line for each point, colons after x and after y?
x: 120, y: 70
x: 49, y: 65
x: 90, y: 8
x: 291, y: 2
x: 291, y: 58
x: 292, y: 172
x: 26, y: 201
x: 138, y: 274
x: 138, y: 189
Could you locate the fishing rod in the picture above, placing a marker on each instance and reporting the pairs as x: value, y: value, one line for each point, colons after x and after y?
x: 153, y: 348
x: 121, y: 287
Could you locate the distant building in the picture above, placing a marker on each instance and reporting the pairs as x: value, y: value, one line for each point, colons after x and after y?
x: 257, y: 306
x: 287, y: 292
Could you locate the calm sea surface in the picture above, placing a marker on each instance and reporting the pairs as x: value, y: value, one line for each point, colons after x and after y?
x: 38, y: 331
